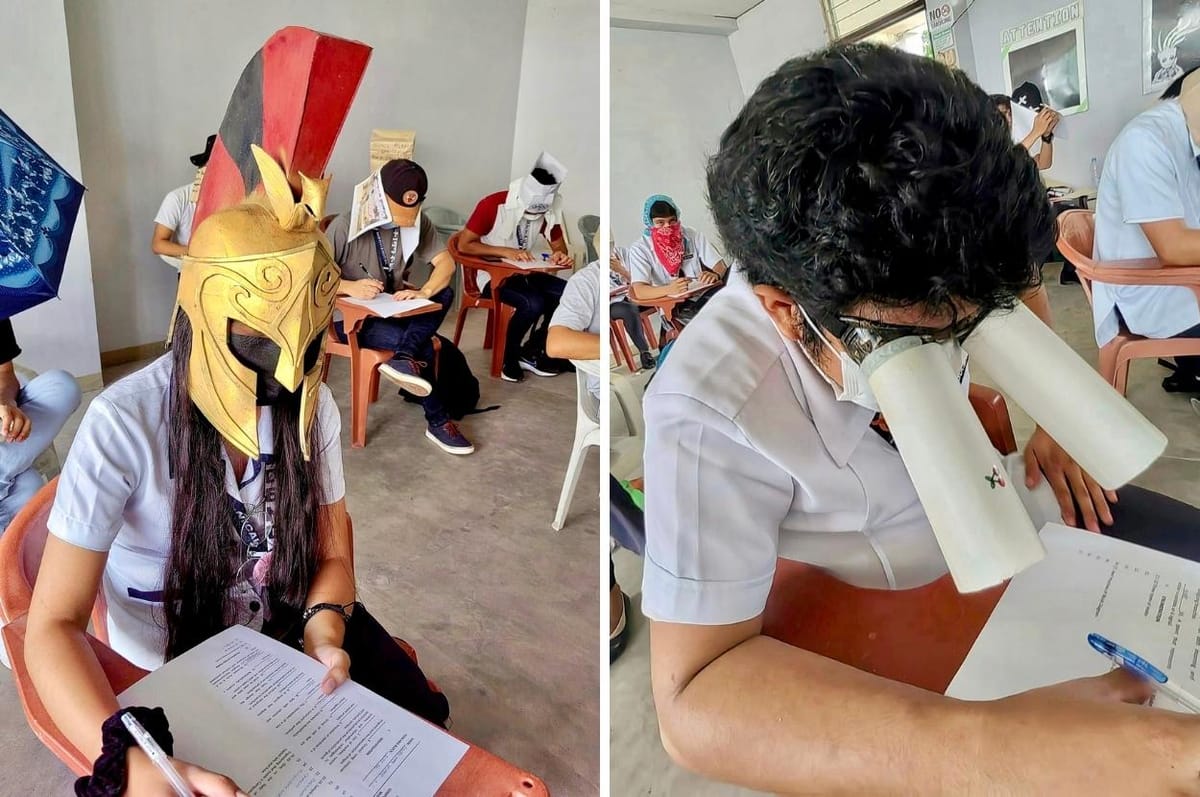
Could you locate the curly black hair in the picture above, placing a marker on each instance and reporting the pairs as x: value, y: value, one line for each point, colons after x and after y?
x: 862, y: 173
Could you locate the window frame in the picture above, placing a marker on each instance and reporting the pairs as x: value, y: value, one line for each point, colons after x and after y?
x: 891, y: 18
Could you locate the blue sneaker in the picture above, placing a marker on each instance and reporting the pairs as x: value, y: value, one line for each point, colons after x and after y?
x: 447, y: 437
x: 407, y: 374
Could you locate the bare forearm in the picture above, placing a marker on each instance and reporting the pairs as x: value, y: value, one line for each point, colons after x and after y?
x: 769, y: 716
x: 70, y: 683
x: 1039, y: 302
x: 571, y: 344
x: 642, y: 291
x: 479, y: 249
x: 1045, y: 156
x: 10, y: 386
x: 168, y: 247
x: 439, y: 278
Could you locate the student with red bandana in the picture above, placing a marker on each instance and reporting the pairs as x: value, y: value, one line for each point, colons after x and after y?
x: 669, y: 256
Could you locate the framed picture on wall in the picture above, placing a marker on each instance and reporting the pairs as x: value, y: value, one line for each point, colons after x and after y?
x: 1170, y: 41
x: 1044, y: 61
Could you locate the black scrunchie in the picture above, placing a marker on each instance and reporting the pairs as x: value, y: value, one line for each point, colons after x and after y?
x: 109, y: 774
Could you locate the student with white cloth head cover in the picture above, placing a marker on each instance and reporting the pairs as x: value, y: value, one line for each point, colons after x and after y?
x: 868, y: 196
x: 1148, y: 205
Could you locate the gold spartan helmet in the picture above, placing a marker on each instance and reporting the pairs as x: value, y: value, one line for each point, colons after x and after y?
x: 266, y: 264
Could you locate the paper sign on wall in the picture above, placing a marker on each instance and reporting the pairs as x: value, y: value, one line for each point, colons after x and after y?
x: 940, y: 17
x: 389, y: 145
x: 1044, y: 61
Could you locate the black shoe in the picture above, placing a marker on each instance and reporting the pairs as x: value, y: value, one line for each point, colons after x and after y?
x: 618, y: 638
x: 556, y: 364
x: 648, y: 360
x: 1181, y: 383
x: 533, y: 366
x: 512, y: 372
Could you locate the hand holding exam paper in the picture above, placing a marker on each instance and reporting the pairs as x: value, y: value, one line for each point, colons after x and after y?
x: 251, y: 708
x: 385, y: 306
x: 1038, y: 633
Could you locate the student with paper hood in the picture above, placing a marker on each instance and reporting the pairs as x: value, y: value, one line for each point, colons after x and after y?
x: 817, y: 411
x: 206, y: 490
x: 379, y: 245
x: 508, y: 224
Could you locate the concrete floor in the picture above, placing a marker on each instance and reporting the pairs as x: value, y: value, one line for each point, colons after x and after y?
x: 456, y: 555
x: 639, y: 765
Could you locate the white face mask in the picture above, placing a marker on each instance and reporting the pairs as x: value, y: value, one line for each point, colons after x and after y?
x: 856, y: 389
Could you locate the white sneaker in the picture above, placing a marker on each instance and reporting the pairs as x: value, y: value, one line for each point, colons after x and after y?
x: 410, y: 380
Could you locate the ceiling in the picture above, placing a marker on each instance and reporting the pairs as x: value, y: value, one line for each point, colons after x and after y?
x: 715, y: 8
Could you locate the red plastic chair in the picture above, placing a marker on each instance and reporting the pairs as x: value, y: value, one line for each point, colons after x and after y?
x: 473, y: 300
x: 915, y: 636
x: 1076, y: 235
x: 21, y: 546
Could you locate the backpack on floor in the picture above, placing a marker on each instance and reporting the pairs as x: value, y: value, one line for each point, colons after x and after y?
x: 452, y: 380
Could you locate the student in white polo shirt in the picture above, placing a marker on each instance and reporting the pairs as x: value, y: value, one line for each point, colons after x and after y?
x: 846, y: 201
x: 206, y: 490
x: 1149, y: 206
x: 173, y: 222
x: 668, y: 257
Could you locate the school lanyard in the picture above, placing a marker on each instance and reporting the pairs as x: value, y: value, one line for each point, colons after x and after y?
x: 387, y: 264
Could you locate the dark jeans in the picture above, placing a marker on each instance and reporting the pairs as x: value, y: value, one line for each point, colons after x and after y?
x: 534, y: 297
x: 1189, y: 366
x: 627, y: 312
x: 409, y: 338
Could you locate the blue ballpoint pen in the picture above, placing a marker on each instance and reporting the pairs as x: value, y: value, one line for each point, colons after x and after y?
x: 1124, y: 657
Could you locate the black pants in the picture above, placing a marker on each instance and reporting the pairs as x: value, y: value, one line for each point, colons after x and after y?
x: 378, y: 663
x: 627, y: 312
x: 410, y: 338
x: 534, y: 297
x: 1189, y: 366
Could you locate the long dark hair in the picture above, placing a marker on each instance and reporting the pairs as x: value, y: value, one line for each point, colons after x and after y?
x: 205, y: 547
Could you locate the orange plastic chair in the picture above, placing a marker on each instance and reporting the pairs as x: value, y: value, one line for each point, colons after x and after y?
x: 1076, y: 236
x: 473, y: 300
x: 620, y: 344
x: 21, y: 546
x: 364, y: 377
x: 915, y: 636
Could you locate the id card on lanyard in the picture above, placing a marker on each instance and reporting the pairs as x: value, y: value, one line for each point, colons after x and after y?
x: 387, y: 264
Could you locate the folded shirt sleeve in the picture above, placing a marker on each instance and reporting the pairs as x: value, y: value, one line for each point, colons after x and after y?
x: 713, y: 510
x: 104, y: 467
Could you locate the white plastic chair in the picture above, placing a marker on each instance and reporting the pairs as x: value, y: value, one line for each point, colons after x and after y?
x: 629, y: 398
x: 587, y: 434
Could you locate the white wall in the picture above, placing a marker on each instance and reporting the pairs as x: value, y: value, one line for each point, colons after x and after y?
x: 771, y: 33
x: 35, y: 90
x: 1113, y: 42
x: 558, y: 107
x: 153, y: 79
x: 672, y: 94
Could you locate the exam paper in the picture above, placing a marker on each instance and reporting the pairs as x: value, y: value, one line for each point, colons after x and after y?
x: 694, y: 286
x: 1144, y: 600
x: 251, y: 708
x: 385, y: 306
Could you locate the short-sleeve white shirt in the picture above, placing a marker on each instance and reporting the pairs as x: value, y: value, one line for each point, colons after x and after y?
x: 1150, y: 174
x: 644, y: 265
x: 176, y: 212
x: 115, y: 495
x: 579, y: 306
x: 750, y: 457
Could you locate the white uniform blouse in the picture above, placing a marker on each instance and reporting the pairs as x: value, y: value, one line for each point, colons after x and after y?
x: 749, y: 457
